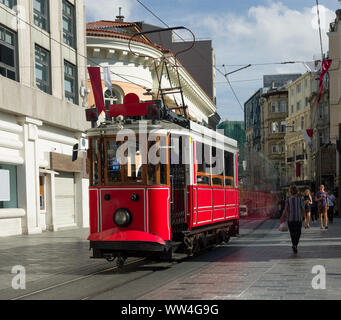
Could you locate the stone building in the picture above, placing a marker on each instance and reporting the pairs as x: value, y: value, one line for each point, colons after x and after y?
x: 274, y: 105
x: 42, y: 66
x: 300, y: 157
x: 135, y: 66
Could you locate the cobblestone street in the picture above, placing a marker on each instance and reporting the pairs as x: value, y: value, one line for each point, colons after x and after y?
x: 264, y: 267
x: 257, y: 265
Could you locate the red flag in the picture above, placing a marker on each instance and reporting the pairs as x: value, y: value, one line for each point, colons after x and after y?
x: 310, y: 132
x: 326, y: 63
x: 298, y: 169
x: 96, y: 83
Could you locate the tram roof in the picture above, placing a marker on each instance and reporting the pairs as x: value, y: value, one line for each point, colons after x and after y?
x: 161, y: 127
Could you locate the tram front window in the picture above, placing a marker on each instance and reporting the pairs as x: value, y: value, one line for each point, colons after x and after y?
x: 134, y: 163
x: 113, y: 165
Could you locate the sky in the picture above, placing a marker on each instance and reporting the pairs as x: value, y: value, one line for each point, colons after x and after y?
x: 242, y: 32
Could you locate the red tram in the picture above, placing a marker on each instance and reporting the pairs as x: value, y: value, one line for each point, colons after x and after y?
x: 140, y: 207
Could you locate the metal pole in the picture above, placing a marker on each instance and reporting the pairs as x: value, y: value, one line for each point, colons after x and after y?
x: 339, y: 182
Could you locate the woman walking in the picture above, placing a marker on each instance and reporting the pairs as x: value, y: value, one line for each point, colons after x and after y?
x: 322, y: 205
x: 294, y: 208
x: 313, y: 208
x: 307, y: 206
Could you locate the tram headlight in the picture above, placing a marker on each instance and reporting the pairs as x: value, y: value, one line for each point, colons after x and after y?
x: 122, y: 217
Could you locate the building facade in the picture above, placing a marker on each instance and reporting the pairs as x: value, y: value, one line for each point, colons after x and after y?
x: 236, y: 131
x: 135, y: 66
x: 332, y: 106
x: 274, y: 104
x: 41, y: 117
x: 300, y: 160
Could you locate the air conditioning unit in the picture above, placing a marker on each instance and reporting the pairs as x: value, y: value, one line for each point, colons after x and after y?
x: 83, y: 144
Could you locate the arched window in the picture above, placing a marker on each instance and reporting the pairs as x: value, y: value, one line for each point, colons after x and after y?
x: 115, y: 96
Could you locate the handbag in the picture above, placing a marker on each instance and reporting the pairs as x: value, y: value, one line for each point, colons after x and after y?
x: 283, y: 227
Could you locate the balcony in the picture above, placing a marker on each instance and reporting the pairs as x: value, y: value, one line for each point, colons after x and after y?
x: 300, y: 157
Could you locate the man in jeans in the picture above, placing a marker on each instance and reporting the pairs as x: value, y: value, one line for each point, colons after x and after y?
x: 294, y: 208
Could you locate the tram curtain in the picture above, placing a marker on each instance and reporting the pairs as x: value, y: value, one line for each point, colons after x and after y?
x: 96, y: 83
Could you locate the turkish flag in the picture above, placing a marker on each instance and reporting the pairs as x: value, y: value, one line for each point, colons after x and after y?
x: 326, y: 63
x: 96, y: 83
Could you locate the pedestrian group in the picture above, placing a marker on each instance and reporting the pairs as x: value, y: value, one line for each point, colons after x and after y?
x: 302, y: 210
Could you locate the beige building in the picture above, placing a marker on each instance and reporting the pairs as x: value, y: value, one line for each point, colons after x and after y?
x: 274, y: 110
x: 302, y: 114
x: 41, y: 115
x: 334, y: 106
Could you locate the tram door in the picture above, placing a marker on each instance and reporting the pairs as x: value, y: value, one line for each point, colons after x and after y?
x: 178, y: 185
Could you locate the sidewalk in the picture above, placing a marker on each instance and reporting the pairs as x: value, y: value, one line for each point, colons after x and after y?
x: 261, y: 265
x: 46, y: 255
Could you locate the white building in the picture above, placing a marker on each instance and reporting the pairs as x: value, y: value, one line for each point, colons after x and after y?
x: 42, y: 64
x: 136, y: 65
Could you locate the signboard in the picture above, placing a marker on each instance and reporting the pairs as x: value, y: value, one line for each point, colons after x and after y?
x: 5, y: 186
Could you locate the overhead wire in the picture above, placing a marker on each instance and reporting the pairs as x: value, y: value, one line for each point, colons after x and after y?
x: 204, y: 58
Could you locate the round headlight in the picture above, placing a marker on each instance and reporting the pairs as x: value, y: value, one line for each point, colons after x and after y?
x: 122, y: 217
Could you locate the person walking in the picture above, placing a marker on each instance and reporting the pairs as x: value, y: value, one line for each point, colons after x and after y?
x: 294, y: 208
x: 313, y: 208
x: 322, y: 205
x: 307, y: 206
x: 332, y: 201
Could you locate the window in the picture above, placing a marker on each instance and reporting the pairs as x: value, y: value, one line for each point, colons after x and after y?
x: 42, y: 66
x: 283, y: 126
x: 274, y: 148
x: 41, y: 14
x: 299, y: 88
x: 283, y: 106
x: 229, y: 169
x: 274, y: 127
x: 202, y: 153
x: 70, y: 82
x: 42, y: 192
x: 115, y: 96
x: 69, y: 34
x: 293, y: 126
x: 292, y: 109
x: 274, y: 106
x: 8, y: 187
x: 282, y: 149
x: 302, y: 123
x: 298, y: 106
x: 8, y: 3
x: 8, y: 54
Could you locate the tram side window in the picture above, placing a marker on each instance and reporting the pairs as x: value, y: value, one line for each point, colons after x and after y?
x: 229, y: 169
x: 95, y: 161
x: 203, y: 169
x: 217, y: 167
x: 113, y: 166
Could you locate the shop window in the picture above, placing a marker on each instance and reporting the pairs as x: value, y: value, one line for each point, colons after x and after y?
x: 42, y: 191
x: 8, y: 187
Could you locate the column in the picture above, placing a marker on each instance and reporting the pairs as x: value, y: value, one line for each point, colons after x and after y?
x: 28, y: 177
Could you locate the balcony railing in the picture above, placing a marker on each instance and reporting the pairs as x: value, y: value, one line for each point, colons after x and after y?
x: 300, y: 157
